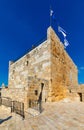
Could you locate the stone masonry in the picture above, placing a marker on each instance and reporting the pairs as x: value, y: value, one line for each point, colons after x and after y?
x: 47, y: 68
x: 64, y: 72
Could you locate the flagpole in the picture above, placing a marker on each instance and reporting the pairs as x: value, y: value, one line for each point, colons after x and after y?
x: 50, y: 17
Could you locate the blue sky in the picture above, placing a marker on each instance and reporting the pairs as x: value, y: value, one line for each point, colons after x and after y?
x: 24, y: 23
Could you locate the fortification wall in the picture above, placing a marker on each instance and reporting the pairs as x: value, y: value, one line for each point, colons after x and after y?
x: 18, y: 73
x: 35, y: 64
x: 48, y: 65
x: 35, y: 88
x: 15, y: 94
x: 63, y: 70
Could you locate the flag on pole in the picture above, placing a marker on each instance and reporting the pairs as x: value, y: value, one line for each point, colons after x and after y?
x: 51, y: 12
x: 66, y: 43
x: 60, y: 29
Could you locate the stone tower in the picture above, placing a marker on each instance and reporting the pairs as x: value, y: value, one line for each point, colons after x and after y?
x: 46, y: 70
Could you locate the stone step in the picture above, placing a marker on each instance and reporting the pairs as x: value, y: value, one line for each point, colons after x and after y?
x: 33, y: 112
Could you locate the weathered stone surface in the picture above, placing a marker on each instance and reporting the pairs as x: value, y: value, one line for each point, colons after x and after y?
x: 80, y: 91
x: 61, y: 115
x: 48, y: 64
x: 63, y: 70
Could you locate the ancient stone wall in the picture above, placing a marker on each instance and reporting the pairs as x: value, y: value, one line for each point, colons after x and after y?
x: 18, y: 73
x: 80, y: 91
x: 15, y: 94
x: 35, y: 64
x: 63, y: 70
x: 36, y: 85
x: 47, y: 65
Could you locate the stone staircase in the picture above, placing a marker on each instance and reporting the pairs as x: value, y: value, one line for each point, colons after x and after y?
x: 33, y: 112
x: 30, y: 113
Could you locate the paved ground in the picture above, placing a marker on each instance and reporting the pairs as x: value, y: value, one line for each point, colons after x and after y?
x: 55, y: 116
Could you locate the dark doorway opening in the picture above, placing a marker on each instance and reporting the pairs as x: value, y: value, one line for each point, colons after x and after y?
x: 80, y: 95
x: 0, y: 94
x: 42, y: 85
x: 40, y: 95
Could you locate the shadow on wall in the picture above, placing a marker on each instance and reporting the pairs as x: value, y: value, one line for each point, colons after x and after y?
x: 3, y: 120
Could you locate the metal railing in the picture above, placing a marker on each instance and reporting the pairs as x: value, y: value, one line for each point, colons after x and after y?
x: 35, y: 104
x: 16, y: 106
x: 6, y: 102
